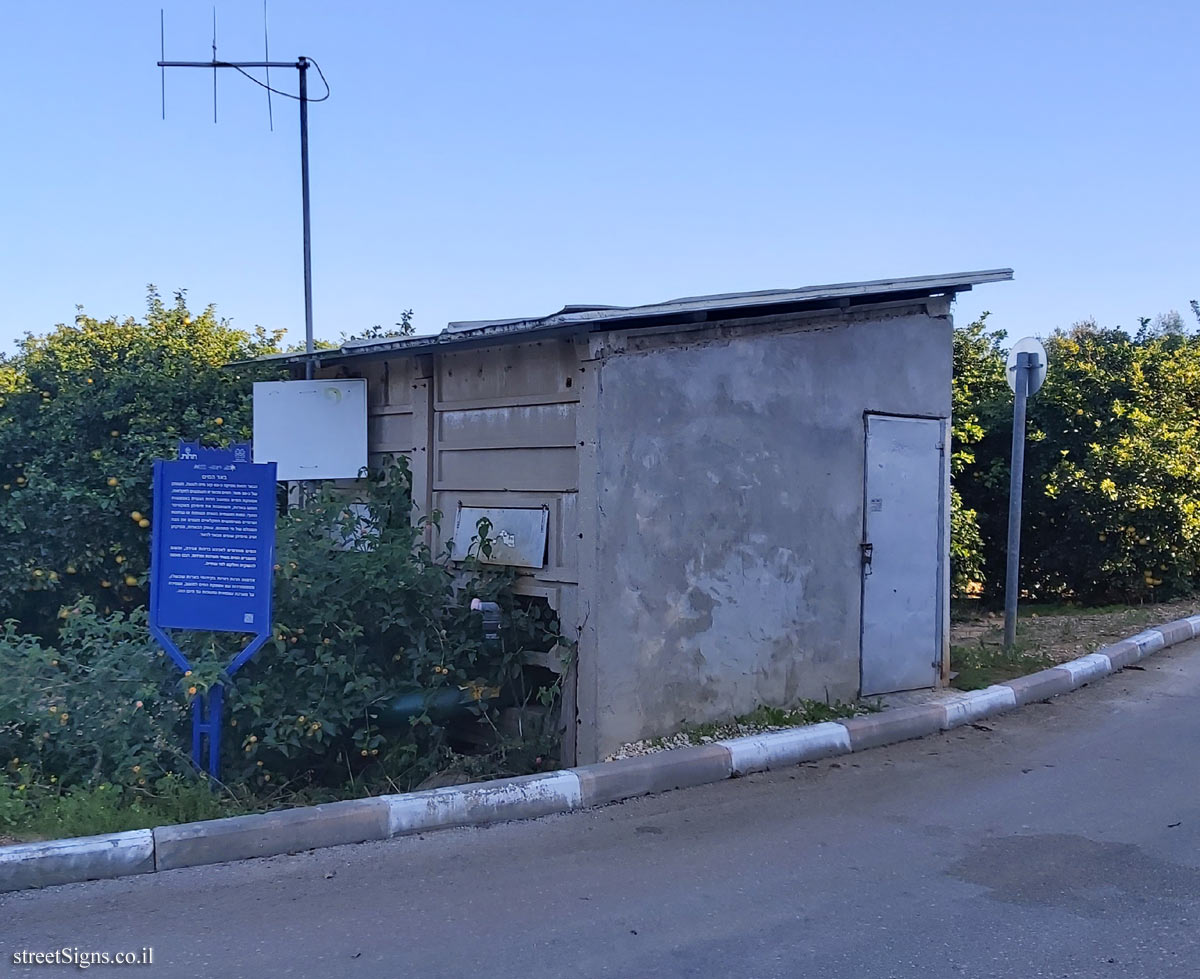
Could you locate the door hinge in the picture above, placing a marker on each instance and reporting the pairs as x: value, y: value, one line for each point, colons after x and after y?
x: 867, y: 552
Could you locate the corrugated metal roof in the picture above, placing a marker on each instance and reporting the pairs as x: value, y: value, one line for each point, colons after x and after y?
x: 581, y: 317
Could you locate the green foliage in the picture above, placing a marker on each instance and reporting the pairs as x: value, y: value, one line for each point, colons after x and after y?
x: 967, y: 577
x: 100, y: 706
x: 365, y: 614
x: 51, y: 812
x: 980, y: 666
x: 402, y: 328
x: 83, y: 412
x: 806, y: 712
x: 1114, y: 460
x: 376, y: 673
x: 978, y: 386
x: 1112, y: 465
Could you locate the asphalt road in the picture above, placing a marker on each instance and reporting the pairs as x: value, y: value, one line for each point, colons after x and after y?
x: 1061, y: 840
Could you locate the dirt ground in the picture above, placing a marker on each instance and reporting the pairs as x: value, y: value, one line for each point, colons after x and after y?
x: 1062, y: 633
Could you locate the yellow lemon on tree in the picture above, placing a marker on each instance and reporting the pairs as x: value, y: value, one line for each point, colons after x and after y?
x: 143, y: 523
x: 135, y: 516
x: 112, y: 480
x: 219, y: 421
x: 130, y: 580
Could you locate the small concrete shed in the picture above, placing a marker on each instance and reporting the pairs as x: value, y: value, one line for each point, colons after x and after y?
x: 731, y: 500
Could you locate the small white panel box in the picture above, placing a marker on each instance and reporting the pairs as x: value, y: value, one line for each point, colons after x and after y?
x: 311, y: 429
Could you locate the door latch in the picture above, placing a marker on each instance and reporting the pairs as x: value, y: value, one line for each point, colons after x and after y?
x: 868, y: 552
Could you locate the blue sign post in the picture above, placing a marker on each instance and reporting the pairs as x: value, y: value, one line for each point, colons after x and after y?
x: 212, y: 556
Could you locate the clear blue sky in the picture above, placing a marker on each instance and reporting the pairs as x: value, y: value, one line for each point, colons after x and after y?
x: 491, y: 159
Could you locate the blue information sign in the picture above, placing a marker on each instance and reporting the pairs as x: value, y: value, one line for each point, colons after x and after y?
x: 211, y: 560
x: 213, y: 543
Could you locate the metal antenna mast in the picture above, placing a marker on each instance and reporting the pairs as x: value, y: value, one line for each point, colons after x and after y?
x: 301, y: 65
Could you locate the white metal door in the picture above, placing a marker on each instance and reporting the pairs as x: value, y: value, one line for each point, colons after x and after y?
x: 902, y: 554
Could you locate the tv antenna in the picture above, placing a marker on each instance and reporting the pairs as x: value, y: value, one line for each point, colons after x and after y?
x: 301, y: 64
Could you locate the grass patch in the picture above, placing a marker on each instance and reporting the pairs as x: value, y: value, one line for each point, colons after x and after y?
x: 806, y: 712
x: 981, y: 666
x: 1047, y: 634
x: 33, y: 812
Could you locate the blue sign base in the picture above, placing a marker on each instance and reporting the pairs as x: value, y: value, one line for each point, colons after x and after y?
x: 206, y: 721
x: 207, y: 709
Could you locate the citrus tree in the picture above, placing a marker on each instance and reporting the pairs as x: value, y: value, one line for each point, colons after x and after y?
x: 978, y: 385
x: 84, y: 410
x: 1111, y: 506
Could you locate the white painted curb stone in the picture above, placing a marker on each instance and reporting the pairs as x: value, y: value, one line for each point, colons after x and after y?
x: 1149, y: 641
x: 779, y: 749
x: 1087, y: 668
x: 977, y: 705
x: 520, y: 798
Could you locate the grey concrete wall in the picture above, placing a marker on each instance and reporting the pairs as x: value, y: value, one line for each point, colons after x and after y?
x: 730, y: 494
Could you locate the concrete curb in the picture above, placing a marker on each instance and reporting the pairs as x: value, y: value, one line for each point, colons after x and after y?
x: 81, y: 858
x: 978, y: 704
x: 268, y: 834
x: 528, y: 797
x: 779, y: 749
x: 680, y: 768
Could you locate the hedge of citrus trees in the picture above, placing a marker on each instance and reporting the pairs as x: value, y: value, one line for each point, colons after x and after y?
x: 89, y: 703
x: 1112, y: 492
x: 84, y: 411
